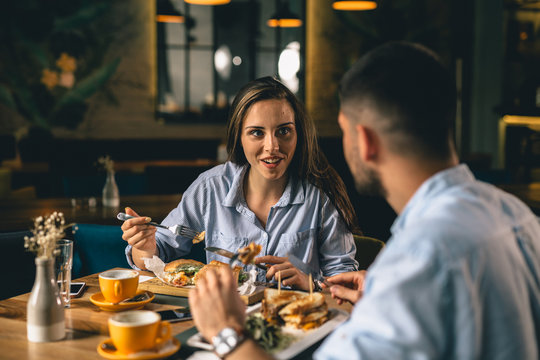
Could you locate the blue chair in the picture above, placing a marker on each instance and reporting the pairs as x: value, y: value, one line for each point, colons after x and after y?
x: 20, y: 265
x: 97, y: 248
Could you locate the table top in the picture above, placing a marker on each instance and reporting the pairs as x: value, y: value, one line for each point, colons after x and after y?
x: 86, y: 326
x: 17, y: 215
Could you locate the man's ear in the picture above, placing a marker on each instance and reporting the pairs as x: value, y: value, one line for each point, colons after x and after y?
x: 367, y: 143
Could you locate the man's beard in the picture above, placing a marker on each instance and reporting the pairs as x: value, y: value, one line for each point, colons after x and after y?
x: 366, y: 180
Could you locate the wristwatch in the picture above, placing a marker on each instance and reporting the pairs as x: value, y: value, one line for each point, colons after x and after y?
x: 226, y: 341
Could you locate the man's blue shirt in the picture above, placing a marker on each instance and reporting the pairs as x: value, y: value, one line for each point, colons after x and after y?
x: 458, y: 279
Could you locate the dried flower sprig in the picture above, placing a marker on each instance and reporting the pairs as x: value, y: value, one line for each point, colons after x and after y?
x: 107, y: 163
x: 47, y: 231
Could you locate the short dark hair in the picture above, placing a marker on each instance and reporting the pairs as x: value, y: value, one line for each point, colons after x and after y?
x: 415, y: 95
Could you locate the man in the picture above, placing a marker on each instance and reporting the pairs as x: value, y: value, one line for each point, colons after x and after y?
x: 460, y: 276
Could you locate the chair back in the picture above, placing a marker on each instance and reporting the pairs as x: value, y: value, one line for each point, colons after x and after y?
x: 19, y: 265
x: 367, y: 249
x: 97, y: 248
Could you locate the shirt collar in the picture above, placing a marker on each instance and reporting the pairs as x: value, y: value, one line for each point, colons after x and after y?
x: 431, y: 188
x: 294, y: 191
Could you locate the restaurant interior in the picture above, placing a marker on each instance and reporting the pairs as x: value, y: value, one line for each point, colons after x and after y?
x: 107, y: 104
x: 148, y: 84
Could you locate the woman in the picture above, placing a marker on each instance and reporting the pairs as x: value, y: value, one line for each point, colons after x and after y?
x: 276, y: 189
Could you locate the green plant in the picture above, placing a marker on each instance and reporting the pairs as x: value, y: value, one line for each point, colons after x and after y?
x: 53, y: 58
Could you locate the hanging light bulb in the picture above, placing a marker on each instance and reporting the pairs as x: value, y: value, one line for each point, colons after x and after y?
x: 208, y: 2
x: 354, y: 5
x: 166, y: 13
x: 284, y: 18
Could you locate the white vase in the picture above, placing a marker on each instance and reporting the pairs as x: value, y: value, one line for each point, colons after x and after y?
x: 111, y: 196
x: 45, y: 311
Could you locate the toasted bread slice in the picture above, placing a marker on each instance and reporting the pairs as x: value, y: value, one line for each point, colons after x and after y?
x: 303, y: 305
x: 214, y: 264
x: 173, y: 265
x: 274, y: 300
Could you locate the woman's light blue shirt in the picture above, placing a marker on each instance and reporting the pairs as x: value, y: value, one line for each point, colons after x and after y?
x: 303, y: 222
x: 459, y: 279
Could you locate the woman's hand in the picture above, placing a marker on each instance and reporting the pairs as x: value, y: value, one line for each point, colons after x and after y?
x: 349, y: 286
x: 140, y: 236
x: 216, y: 304
x: 290, y: 276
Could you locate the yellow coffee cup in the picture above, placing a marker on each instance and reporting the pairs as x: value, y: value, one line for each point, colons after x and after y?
x: 118, y: 285
x: 138, y: 330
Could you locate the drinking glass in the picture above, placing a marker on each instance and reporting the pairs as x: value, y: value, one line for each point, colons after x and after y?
x: 63, y: 265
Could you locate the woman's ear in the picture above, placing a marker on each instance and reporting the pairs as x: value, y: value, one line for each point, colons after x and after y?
x: 367, y: 143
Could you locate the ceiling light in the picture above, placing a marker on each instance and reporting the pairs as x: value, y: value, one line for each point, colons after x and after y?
x: 167, y: 13
x: 354, y: 5
x: 284, y: 18
x: 208, y: 2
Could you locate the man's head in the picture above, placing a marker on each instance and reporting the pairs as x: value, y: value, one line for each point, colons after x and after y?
x: 403, y: 93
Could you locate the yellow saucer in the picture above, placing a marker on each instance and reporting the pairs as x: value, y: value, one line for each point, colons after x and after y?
x: 107, y: 350
x: 98, y: 300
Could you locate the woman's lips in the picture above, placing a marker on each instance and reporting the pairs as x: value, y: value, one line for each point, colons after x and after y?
x: 271, y: 165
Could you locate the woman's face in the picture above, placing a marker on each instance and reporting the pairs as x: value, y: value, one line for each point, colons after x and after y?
x: 269, y: 138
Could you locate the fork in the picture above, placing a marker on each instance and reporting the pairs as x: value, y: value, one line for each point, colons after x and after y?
x: 175, y: 229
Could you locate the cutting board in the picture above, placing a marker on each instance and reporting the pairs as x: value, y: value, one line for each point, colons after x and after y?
x: 157, y: 286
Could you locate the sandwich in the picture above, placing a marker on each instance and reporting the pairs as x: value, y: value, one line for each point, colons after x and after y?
x: 214, y: 264
x: 182, y: 272
x: 306, y: 313
x: 294, y: 309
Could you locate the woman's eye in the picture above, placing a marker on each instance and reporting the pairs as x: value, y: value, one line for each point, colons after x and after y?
x: 256, y: 132
x: 284, y: 131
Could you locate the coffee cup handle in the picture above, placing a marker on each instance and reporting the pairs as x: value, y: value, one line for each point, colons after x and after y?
x: 164, y: 333
x: 117, y: 288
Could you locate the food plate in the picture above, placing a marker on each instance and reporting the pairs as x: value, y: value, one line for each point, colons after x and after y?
x: 98, y: 300
x: 304, y: 339
x: 107, y: 350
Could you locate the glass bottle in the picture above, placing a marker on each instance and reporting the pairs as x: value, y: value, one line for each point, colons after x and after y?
x: 45, y: 310
x: 111, y: 196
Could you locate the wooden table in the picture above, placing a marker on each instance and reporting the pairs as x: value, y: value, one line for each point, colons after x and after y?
x: 17, y: 215
x: 86, y: 327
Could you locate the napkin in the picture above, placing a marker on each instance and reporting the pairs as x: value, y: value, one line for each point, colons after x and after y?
x: 156, y: 265
x: 249, y: 287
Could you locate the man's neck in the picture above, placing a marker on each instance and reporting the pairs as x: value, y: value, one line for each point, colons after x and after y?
x: 402, y: 177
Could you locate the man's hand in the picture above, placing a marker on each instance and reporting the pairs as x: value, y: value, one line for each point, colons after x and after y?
x: 216, y: 304
x: 347, y: 286
x: 290, y: 276
x: 140, y: 236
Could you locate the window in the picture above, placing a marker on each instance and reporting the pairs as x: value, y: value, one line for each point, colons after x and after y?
x: 205, y: 60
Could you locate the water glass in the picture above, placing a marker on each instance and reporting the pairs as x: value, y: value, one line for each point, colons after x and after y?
x: 63, y: 265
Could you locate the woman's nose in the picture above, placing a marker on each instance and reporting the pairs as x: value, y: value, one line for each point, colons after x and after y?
x: 271, y: 143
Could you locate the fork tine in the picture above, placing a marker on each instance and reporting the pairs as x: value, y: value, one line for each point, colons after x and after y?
x: 187, y: 232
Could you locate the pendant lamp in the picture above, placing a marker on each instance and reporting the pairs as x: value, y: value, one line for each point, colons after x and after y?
x: 166, y: 13
x: 354, y: 5
x: 208, y: 2
x: 284, y: 18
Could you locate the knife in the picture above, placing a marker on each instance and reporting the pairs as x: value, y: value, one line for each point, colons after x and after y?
x: 229, y: 254
x: 308, y: 269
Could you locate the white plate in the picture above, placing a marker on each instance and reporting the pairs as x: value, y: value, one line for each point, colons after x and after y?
x: 304, y: 339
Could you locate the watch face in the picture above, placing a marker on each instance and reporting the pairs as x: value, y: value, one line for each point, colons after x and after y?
x: 225, y: 341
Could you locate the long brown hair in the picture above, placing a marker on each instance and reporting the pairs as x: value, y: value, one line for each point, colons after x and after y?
x: 308, y: 162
